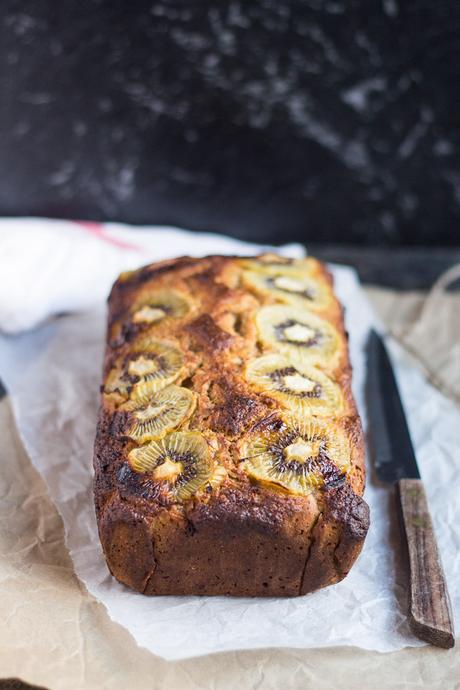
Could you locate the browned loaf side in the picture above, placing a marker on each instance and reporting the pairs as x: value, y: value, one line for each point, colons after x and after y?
x: 229, y: 454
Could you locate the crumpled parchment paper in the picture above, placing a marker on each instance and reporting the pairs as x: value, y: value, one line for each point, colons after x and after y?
x: 53, y: 377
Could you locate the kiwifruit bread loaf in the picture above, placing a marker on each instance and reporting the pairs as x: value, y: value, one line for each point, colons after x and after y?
x: 229, y: 454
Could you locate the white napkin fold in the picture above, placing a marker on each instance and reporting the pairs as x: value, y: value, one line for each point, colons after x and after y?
x: 54, y: 266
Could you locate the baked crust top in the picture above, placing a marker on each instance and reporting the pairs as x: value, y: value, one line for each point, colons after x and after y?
x: 226, y: 393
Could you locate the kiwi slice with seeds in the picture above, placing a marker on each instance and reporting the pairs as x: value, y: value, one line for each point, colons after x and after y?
x: 298, y: 334
x: 151, y: 417
x: 150, y: 366
x: 304, y: 389
x: 159, y: 305
x: 297, y: 456
x: 180, y: 463
x: 290, y: 287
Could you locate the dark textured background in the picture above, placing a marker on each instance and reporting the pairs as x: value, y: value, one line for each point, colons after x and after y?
x: 325, y: 120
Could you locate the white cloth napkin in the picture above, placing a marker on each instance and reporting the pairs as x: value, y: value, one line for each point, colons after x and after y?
x: 54, y: 266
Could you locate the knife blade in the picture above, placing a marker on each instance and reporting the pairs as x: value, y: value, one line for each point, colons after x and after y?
x: 430, y: 614
x: 394, y: 456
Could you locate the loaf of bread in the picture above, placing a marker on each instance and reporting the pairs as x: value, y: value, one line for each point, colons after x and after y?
x: 229, y: 454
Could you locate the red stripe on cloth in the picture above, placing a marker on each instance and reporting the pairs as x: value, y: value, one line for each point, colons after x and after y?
x: 99, y: 231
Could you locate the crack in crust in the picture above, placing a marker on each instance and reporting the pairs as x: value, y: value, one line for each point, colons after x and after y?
x: 207, y: 335
x: 233, y: 536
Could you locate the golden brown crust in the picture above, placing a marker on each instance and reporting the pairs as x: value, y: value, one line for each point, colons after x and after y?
x: 232, y: 536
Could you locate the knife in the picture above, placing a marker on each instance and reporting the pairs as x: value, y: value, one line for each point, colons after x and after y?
x: 430, y: 614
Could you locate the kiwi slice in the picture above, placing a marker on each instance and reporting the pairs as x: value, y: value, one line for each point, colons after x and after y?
x: 290, y: 287
x: 158, y: 305
x: 302, y: 388
x: 153, y: 365
x: 151, y: 308
x: 266, y: 262
x: 180, y: 463
x: 150, y: 366
x: 298, y: 333
x: 272, y: 264
x: 151, y: 417
x: 297, y: 456
x: 117, y: 383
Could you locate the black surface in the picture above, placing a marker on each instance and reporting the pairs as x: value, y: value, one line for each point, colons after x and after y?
x: 319, y: 120
x: 402, y: 268
x: 390, y: 441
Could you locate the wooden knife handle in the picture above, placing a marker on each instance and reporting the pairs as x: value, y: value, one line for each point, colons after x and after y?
x: 430, y: 614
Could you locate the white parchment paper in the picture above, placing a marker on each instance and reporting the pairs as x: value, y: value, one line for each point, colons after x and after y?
x: 53, y: 378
